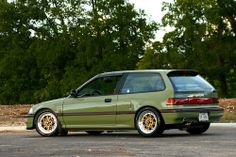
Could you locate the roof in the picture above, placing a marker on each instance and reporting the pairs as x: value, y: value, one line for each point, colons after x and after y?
x: 146, y: 70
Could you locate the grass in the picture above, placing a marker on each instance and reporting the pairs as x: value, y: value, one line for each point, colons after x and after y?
x: 229, y: 106
x: 228, y: 117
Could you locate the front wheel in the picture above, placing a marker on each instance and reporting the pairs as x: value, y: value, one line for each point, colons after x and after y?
x: 46, y: 123
x: 149, y: 122
x: 196, y: 129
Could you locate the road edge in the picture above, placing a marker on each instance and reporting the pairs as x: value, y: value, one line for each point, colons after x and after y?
x: 12, y: 128
x: 23, y: 128
x: 228, y: 125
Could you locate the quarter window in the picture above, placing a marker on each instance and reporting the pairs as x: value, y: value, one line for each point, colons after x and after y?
x: 143, y: 82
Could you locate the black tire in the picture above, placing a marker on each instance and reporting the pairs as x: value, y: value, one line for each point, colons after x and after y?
x: 196, y: 129
x: 94, y: 132
x: 46, y: 123
x: 149, y: 122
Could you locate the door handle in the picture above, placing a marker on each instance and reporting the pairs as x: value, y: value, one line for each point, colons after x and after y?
x: 108, y: 100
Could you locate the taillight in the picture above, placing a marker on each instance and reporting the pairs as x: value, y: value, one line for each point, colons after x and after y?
x: 191, y: 101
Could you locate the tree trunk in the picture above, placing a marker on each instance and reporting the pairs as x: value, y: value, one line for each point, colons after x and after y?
x: 223, y: 85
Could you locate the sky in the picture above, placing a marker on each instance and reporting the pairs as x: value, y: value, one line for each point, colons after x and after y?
x: 153, y: 9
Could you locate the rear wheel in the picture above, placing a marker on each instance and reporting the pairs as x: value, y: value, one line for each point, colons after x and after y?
x: 149, y: 122
x: 46, y: 123
x: 196, y: 129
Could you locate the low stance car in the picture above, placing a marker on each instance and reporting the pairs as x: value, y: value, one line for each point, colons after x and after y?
x: 150, y: 101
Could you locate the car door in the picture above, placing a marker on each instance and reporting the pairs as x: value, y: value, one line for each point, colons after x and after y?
x: 94, y: 106
x: 138, y: 89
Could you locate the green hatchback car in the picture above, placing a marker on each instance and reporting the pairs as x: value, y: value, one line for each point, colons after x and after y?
x: 150, y: 101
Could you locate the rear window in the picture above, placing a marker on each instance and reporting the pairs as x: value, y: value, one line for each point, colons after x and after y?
x: 188, y: 83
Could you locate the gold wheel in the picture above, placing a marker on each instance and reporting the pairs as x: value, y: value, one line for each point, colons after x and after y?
x: 148, y: 122
x: 47, y: 123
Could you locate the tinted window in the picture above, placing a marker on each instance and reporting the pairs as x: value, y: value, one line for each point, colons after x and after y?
x: 190, y: 83
x: 100, y: 86
x: 143, y: 82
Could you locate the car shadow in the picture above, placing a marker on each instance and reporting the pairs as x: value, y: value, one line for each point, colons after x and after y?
x: 137, y: 135
x: 127, y: 134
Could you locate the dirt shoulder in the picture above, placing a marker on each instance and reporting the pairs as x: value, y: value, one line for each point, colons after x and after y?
x: 13, y: 115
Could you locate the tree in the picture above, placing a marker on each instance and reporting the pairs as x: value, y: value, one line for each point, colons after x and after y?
x: 49, y: 47
x: 113, y: 38
x: 203, y: 38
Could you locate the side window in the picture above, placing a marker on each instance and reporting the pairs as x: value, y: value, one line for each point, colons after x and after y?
x: 143, y: 82
x: 100, y: 86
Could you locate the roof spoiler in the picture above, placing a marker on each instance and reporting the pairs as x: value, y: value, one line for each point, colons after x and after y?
x: 183, y: 72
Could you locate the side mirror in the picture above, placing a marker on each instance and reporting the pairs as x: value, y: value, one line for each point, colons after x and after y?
x: 73, y: 93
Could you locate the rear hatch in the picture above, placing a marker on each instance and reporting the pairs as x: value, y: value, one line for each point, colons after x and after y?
x: 191, y: 90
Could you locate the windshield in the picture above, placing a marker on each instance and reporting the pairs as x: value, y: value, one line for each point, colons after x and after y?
x: 191, y: 83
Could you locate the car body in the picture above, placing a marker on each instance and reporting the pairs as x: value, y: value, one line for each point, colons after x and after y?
x: 150, y: 101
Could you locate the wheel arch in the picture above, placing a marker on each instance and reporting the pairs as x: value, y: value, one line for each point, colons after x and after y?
x: 148, y: 106
x: 44, y: 109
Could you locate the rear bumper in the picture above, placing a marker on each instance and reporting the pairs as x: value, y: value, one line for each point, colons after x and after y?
x: 173, y: 116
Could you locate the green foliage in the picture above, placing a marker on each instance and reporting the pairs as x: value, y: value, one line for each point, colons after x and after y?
x: 48, y: 47
x: 204, y: 38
